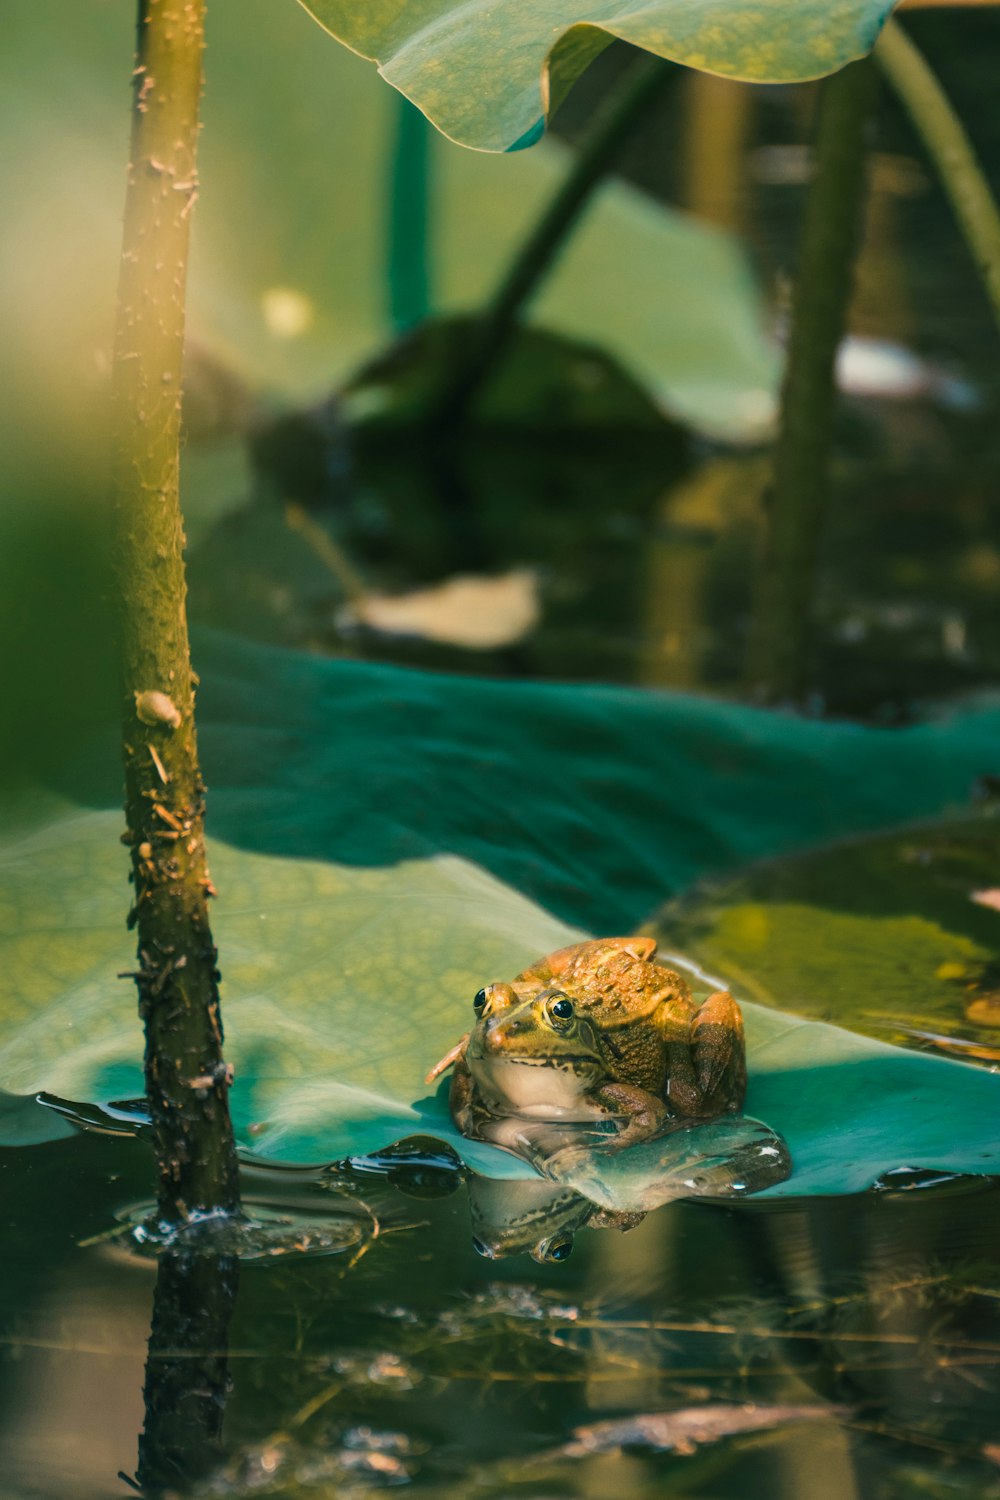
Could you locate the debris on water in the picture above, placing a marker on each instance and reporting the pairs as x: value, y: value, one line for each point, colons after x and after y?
x: 381, y: 1455
x: 514, y: 1301
x: 684, y: 1431
x: 382, y: 1369
x: 479, y: 613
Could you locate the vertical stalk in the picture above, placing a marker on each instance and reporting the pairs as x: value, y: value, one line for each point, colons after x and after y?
x: 187, y: 1369
x: 950, y: 149
x: 716, y: 131
x: 796, y: 507
x: 408, y: 260
x: 187, y: 1081
x: 534, y: 258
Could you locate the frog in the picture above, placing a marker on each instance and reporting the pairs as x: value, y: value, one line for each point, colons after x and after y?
x: 597, y: 1033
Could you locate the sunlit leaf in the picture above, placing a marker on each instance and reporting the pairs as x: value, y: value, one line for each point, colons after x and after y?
x: 888, y: 935
x: 485, y: 73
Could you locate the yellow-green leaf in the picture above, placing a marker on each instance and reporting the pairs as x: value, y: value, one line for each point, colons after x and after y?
x: 486, y: 71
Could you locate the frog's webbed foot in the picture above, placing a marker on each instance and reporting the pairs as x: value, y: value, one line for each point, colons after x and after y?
x: 719, y: 1055
x: 643, y: 1113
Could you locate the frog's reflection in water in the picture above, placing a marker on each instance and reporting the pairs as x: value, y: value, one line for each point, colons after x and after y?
x: 536, y: 1218
x: 733, y: 1156
x: 587, y: 1182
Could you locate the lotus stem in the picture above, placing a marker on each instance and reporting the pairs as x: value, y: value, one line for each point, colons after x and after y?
x: 535, y: 257
x: 187, y: 1370
x: 796, y: 504
x: 187, y: 1082
x: 950, y: 149
x: 409, y: 219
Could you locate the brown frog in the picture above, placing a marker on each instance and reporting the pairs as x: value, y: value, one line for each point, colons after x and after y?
x: 598, y: 1032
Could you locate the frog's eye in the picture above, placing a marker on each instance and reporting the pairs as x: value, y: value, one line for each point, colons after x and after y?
x: 560, y: 1008
x: 479, y: 1003
x: 556, y: 1249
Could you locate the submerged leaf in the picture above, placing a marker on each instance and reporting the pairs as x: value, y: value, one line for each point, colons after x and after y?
x: 878, y: 934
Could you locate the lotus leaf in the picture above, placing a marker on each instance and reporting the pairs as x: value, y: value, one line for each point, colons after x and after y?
x: 486, y: 72
x: 344, y: 981
x: 343, y: 984
x: 894, y: 935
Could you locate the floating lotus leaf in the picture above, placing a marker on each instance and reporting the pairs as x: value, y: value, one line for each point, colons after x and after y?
x: 488, y: 71
x: 353, y: 826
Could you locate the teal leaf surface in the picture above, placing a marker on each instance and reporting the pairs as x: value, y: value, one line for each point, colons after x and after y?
x: 346, y: 978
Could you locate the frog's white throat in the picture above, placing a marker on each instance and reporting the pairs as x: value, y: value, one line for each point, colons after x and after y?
x: 542, y: 1089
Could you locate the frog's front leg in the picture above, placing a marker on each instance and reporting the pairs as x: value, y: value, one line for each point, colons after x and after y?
x: 462, y: 1097
x: 641, y: 1115
x: 449, y: 1059
x: 644, y: 1115
x: 718, y: 1052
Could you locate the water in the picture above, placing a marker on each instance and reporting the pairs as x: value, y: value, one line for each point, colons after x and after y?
x: 843, y: 1346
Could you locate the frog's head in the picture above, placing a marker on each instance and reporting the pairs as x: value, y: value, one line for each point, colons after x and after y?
x: 536, y: 1054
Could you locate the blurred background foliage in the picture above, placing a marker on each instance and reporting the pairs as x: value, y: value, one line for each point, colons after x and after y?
x: 599, y: 518
x: 290, y: 288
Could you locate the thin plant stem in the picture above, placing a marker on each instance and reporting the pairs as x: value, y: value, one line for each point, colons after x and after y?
x: 949, y: 147
x: 187, y: 1081
x: 796, y: 503
x: 717, y: 125
x: 408, y: 258
x: 535, y: 257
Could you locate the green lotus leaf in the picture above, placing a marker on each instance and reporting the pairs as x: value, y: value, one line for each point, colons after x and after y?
x: 486, y: 73
x: 352, y: 832
x: 342, y: 986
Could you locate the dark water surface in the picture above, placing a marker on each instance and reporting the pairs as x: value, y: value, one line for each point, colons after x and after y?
x: 831, y: 1347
